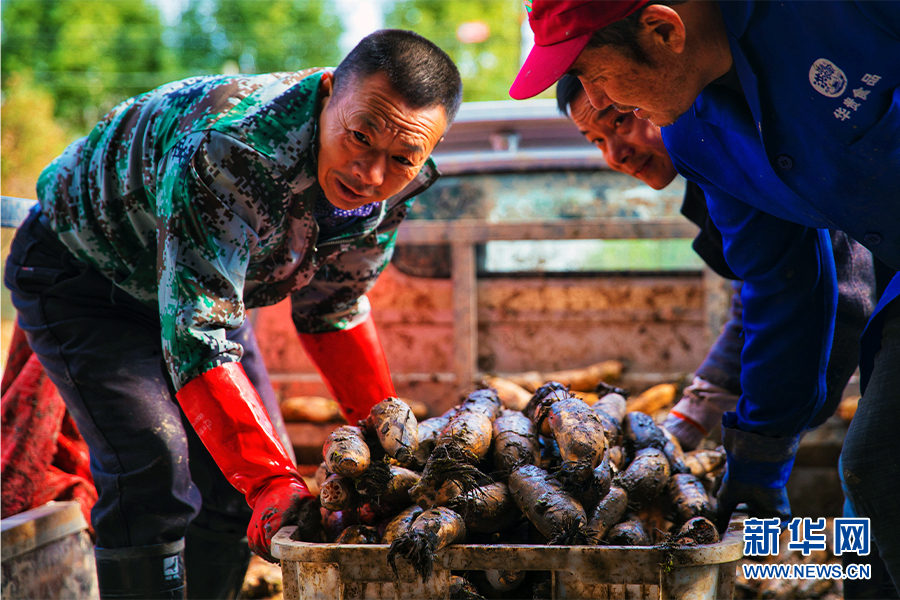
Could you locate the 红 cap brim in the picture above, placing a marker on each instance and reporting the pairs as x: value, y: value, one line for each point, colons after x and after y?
x: 545, y: 65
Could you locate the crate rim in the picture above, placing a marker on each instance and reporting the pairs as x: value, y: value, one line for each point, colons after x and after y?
x: 554, y: 558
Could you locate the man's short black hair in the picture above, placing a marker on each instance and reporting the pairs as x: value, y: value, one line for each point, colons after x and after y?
x: 623, y: 34
x: 567, y: 89
x: 416, y: 68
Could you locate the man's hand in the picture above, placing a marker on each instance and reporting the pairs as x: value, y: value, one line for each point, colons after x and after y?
x: 698, y: 412
x: 757, y: 471
x: 762, y: 502
x: 283, y: 502
x: 231, y: 421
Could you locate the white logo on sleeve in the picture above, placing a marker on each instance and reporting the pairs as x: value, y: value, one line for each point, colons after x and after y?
x: 827, y: 78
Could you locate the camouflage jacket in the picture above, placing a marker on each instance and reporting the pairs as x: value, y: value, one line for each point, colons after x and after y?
x: 198, y: 198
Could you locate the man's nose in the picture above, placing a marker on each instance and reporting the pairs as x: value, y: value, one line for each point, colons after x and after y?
x: 369, y: 170
x: 617, y: 150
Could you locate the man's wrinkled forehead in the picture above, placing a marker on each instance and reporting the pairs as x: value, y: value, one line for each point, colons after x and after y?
x: 387, y: 107
x: 588, y: 108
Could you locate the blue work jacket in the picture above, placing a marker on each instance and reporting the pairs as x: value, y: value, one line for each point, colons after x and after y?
x: 811, y: 141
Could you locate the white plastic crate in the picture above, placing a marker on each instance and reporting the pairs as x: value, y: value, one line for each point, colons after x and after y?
x: 47, y: 553
x: 354, y: 571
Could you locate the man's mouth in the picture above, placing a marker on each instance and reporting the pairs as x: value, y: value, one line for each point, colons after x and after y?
x: 347, y: 191
x: 643, y: 166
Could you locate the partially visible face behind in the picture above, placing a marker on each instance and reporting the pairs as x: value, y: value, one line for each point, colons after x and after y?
x: 658, y: 92
x: 371, y: 143
x: 629, y: 144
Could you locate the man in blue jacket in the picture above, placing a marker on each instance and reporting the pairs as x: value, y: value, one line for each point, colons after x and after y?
x: 635, y: 146
x: 788, y: 116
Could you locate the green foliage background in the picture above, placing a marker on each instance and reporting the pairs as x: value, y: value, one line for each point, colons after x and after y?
x: 91, y: 54
x: 65, y: 63
x: 88, y: 54
x: 76, y: 59
x: 487, y: 68
x: 251, y: 36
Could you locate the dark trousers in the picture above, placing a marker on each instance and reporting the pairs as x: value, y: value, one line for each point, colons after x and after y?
x: 870, y: 459
x: 102, y: 349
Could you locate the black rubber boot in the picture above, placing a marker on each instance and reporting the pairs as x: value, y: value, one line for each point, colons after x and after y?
x: 141, y: 572
x: 216, y: 564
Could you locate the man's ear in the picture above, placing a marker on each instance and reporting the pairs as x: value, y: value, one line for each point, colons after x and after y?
x: 663, y: 27
x: 326, y: 88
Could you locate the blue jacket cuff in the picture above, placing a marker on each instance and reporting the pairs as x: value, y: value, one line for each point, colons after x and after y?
x: 756, y: 459
x: 758, y: 473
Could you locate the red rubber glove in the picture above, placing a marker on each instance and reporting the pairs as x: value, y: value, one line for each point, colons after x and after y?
x: 353, y: 366
x: 225, y: 410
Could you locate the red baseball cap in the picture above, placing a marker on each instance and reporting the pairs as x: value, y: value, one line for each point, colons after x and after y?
x: 562, y: 29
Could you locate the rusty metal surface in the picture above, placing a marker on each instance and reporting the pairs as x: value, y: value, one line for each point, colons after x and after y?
x: 477, y: 231
x: 651, y: 347
x: 349, y: 571
x: 656, y: 325
x: 546, y: 198
x: 415, y: 317
x: 465, y: 312
x: 537, y: 122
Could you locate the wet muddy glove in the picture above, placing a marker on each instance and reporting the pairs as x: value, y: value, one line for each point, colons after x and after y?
x: 353, y: 367
x: 228, y: 416
x: 757, y: 472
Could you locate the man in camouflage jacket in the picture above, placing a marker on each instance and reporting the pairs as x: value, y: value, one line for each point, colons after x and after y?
x: 183, y: 208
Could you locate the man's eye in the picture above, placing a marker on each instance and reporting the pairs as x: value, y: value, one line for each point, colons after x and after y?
x: 620, y: 119
x: 360, y: 137
x: 403, y: 161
